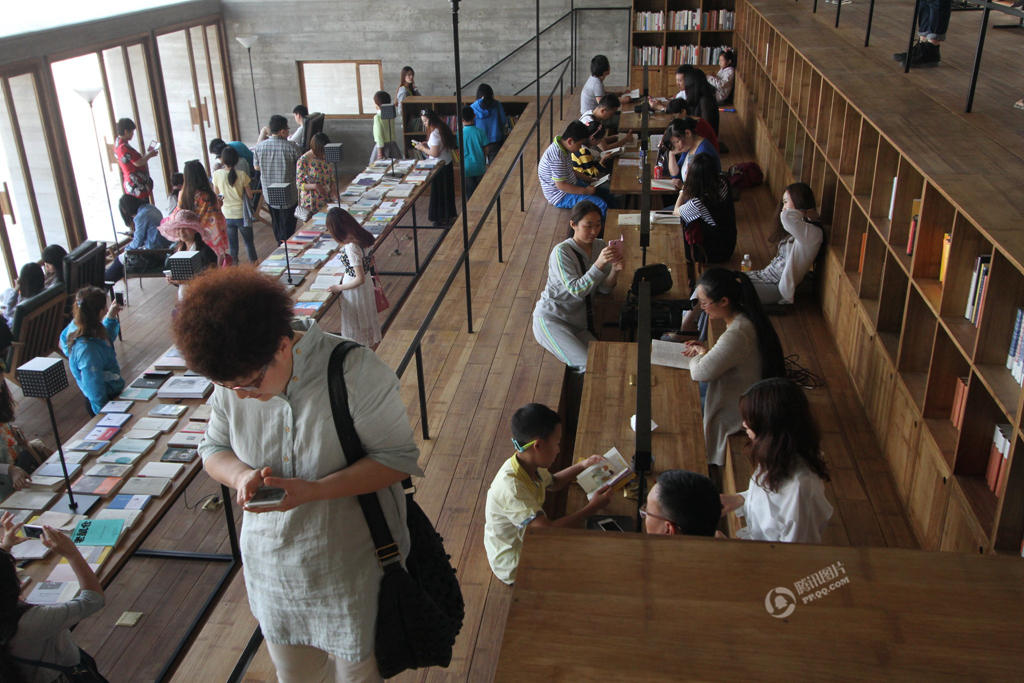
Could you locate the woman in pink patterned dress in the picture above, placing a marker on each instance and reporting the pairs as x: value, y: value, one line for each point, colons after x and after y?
x: 197, y: 195
x: 315, y: 177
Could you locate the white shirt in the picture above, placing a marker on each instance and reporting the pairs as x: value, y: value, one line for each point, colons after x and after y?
x: 796, y: 513
x: 435, y: 141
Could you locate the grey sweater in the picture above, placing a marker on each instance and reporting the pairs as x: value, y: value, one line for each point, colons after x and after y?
x: 564, y: 295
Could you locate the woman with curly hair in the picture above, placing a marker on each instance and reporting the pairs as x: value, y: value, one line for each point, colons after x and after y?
x: 311, y: 572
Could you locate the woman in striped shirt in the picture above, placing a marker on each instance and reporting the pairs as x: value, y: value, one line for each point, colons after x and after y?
x: 707, y: 213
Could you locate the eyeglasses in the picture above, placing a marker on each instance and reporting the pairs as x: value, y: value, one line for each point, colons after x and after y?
x: 644, y: 514
x: 255, y: 386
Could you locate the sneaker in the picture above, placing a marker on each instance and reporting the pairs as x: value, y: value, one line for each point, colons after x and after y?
x: 922, y: 54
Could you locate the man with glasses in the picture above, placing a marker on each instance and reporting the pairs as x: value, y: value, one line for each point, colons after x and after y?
x: 682, y: 502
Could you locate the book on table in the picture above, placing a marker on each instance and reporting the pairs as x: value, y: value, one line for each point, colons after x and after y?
x: 171, y: 360
x: 113, y: 419
x: 101, y: 532
x: 314, y: 296
x: 157, y: 424
x: 127, y: 501
x: 167, y: 410
x: 55, y: 470
x: 29, y: 499
x: 177, y: 454
x: 135, y: 394
x: 117, y: 407
x: 119, y: 458
x: 613, y: 471
x: 322, y: 282
x: 167, y: 470
x: 89, y: 446
x: 194, y: 427
x: 186, y: 387
x: 662, y: 184
x: 202, y: 412
x: 108, y: 470
x: 95, y: 486
x: 125, y: 445
x: 148, y: 382
x: 102, y: 433
x: 52, y: 592
x: 65, y: 521
x: 150, y: 486
x: 70, y: 457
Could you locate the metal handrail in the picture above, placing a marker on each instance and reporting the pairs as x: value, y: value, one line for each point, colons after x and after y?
x: 414, y: 350
x: 523, y: 45
x: 542, y: 75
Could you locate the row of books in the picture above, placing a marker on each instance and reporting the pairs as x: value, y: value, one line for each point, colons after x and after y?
x: 649, y: 21
x: 998, y: 468
x: 677, y: 54
x: 685, y: 20
x: 956, y: 415
x: 1015, y: 357
x: 978, y: 289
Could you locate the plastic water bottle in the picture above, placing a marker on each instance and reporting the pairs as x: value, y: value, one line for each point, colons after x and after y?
x: 746, y: 265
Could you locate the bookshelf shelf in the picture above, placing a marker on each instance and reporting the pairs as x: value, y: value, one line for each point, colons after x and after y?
x: 905, y: 290
x: 685, y: 24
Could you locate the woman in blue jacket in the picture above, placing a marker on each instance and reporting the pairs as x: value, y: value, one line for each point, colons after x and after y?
x: 491, y: 119
x: 88, y: 342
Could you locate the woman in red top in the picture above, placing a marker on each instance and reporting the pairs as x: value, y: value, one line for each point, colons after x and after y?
x: 197, y: 195
x: 134, y: 166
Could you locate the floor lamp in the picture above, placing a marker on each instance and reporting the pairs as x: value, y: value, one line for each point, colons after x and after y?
x: 90, y: 95
x: 247, y: 42
x: 44, y: 377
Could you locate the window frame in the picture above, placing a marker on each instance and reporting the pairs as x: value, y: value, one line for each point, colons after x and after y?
x: 359, y: 84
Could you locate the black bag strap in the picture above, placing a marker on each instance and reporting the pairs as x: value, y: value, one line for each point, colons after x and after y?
x: 386, y: 548
x: 586, y: 300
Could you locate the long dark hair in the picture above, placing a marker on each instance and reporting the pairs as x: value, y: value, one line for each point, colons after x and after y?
x: 785, y: 432
x: 11, y: 609
x: 696, y: 86
x: 128, y: 206
x: 703, y: 181
x: 31, y: 280
x: 6, y: 404
x: 195, y: 181
x: 344, y: 228
x: 435, y: 122
x: 88, y: 310
x: 406, y: 70
x: 485, y: 94
x: 229, y: 157
x: 718, y: 284
x: 802, y: 197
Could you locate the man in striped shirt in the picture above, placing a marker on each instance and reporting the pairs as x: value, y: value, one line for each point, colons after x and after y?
x: 562, y: 186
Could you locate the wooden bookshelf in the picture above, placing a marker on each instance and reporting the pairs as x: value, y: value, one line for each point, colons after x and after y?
x: 899, y: 323
x: 663, y: 41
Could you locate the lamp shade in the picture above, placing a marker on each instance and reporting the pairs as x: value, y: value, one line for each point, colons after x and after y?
x: 277, y: 194
x: 88, y: 94
x: 246, y: 41
x: 42, y: 377
x: 184, y: 265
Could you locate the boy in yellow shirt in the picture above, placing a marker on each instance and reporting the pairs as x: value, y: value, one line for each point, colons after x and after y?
x: 515, y: 499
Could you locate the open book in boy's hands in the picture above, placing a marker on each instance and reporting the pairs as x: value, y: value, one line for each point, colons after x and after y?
x: 612, y: 471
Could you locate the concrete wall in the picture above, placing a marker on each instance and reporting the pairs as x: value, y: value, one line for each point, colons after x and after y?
x: 399, y: 33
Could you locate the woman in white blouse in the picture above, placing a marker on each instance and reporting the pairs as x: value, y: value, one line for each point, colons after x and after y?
x: 785, y: 500
x: 311, y: 573
x: 439, y: 145
x: 748, y: 351
x: 799, y: 236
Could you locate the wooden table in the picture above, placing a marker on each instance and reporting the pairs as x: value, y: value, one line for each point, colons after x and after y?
x: 608, y: 401
x: 596, y: 607
x: 624, y: 178
x: 629, y: 122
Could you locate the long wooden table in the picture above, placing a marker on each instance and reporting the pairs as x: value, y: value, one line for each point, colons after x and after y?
x: 608, y: 401
x: 629, y: 122
x: 590, y: 607
x: 625, y: 181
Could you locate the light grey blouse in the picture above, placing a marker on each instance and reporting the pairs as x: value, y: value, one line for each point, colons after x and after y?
x: 310, y: 572
x: 43, y: 635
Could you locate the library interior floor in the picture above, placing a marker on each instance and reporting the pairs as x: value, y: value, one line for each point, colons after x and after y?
x: 885, y: 338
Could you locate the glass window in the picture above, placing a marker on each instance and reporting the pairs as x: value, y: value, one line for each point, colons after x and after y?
x: 181, y: 99
x: 222, y: 112
x: 146, y: 120
x: 343, y: 88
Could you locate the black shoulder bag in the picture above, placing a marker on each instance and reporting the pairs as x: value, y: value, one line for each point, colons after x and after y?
x: 420, y: 607
x: 83, y: 672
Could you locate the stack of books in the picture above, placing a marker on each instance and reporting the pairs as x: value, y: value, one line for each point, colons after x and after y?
x: 186, y: 387
x: 999, y: 459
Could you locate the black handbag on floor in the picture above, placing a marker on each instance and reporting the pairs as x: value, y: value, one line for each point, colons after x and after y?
x: 420, y: 607
x: 83, y: 672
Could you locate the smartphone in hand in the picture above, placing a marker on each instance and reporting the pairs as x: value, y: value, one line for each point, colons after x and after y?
x: 266, y: 497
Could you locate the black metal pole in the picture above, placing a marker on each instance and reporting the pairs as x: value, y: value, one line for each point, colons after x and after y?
x: 500, y: 257
x: 913, y: 32
x: 229, y: 518
x: 60, y: 451
x: 424, y: 427
x: 839, y: 6
x: 572, y: 44
x: 252, y: 78
x: 522, y: 192
x: 642, y: 458
x: 814, y: 9
x: 977, y: 59
x: 462, y: 163
x: 537, y: 46
x: 871, y: 15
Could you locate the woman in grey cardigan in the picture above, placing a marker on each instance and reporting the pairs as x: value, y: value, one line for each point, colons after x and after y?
x: 748, y: 351
x: 576, y: 268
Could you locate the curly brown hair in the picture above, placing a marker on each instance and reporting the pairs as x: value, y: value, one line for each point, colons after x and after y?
x: 231, y: 322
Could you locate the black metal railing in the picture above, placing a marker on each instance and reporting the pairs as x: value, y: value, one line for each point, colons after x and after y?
x: 415, y: 348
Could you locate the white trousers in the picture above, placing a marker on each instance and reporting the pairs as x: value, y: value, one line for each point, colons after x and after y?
x: 305, y: 664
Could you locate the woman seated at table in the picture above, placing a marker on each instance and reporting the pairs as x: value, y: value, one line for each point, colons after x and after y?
x: 576, y: 268
x: 700, y: 96
x: 705, y: 208
x: 31, y: 280
x: 785, y: 500
x: 88, y: 342
x: 183, y: 228
x: 799, y: 234
x: 748, y: 351
x: 682, y: 142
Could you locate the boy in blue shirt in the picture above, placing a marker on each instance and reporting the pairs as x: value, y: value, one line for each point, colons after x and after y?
x: 474, y: 141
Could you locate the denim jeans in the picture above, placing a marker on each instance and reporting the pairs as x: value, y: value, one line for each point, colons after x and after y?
x: 933, y: 18
x: 236, y: 225
x: 571, y: 200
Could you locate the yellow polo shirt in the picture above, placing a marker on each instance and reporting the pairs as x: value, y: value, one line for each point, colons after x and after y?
x: 513, y: 501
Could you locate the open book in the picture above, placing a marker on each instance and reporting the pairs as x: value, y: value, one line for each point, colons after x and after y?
x: 613, y: 471
x: 601, y: 181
